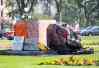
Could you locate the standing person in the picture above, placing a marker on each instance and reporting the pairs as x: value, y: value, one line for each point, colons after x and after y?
x: 20, y: 33
x: 68, y: 29
x: 77, y: 30
x: 1, y: 30
x: 2, y: 21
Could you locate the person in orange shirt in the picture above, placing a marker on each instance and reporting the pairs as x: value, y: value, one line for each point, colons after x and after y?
x: 20, y: 34
x: 20, y: 29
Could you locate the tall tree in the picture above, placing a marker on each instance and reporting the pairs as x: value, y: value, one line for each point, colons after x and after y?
x: 47, y: 4
x: 89, y: 7
x: 22, y: 7
x: 59, y: 7
x: 25, y: 6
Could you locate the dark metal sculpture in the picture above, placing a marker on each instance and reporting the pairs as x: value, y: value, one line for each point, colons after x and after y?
x: 57, y: 42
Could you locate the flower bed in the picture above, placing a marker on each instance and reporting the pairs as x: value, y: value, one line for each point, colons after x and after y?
x: 71, y: 61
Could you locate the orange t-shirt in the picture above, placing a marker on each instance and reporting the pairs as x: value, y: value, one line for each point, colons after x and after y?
x: 20, y: 29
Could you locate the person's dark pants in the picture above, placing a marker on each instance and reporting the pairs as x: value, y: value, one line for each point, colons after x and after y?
x: 1, y: 35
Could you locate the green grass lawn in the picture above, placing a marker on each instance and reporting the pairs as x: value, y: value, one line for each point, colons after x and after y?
x: 90, y: 40
x: 13, y: 61
x: 32, y: 61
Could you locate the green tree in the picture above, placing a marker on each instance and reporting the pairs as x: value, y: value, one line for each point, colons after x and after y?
x: 21, y: 7
x: 90, y: 8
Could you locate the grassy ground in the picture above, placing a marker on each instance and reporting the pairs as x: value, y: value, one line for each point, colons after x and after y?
x: 7, y: 61
x: 90, y: 40
x: 32, y: 61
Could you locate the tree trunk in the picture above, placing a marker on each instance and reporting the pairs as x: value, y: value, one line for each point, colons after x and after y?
x: 59, y: 9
